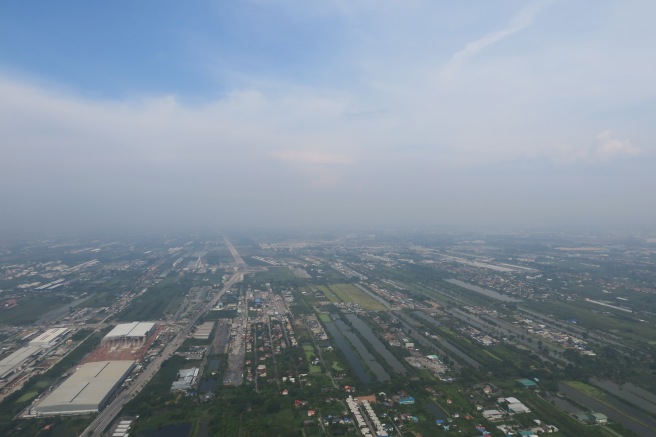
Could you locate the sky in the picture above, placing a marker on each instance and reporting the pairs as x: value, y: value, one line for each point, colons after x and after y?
x: 157, y: 114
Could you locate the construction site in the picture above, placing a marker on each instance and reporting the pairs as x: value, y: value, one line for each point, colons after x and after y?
x: 127, y: 341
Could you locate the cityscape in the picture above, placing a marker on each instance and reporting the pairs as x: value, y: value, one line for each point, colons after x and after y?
x: 372, y: 334
x: 291, y: 218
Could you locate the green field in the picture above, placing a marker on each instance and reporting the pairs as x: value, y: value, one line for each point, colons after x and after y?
x: 273, y: 275
x: 161, y: 299
x: 30, y: 310
x: 332, y: 297
x: 629, y: 413
x: 590, y: 317
x: 348, y: 293
x: 27, y: 396
x: 309, y: 353
x: 41, y: 384
x: 587, y: 389
x: 337, y: 367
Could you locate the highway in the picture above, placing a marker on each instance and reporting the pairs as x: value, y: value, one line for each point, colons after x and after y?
x: 105, y: 418
x: 241, y: 264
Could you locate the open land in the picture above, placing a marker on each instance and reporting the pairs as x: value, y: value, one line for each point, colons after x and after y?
x: 505, y: 334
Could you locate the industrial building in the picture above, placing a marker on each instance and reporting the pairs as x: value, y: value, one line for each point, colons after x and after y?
x: 15, y: 360
x: 129, y: 334
x: 87, y: 390
x: 122, y: 429
x: 186, y: 379
x: 204, y: 331
x: 50, y: 337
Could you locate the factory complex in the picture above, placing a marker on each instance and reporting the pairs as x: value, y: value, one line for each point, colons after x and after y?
x: 23, y: 358
x: 49, y: 338
x: 129, y: 333
x: 16, y: 359
x: 87, y: 390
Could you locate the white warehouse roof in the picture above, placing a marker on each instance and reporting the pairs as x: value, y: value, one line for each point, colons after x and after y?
x: 49, y: 337
x: 87, y: 389
x: 134, y: 329
x: 16, y: 359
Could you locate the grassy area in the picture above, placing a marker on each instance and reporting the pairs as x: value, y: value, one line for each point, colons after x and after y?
x: 330, y: 295
x: 30, y: 310
x: 27, y: 396
x: 491, y: 355
x: 174, y: 303
x: 156, y: 397
x: 568, y: 426
x: 272, y: 275
x: 309, y: 353
x: 587, y: 389
x: 351, y: 294
x: 41, y: 384
x: 219, y: 314
x: 609, y: 402
x: 424, y: 291
x: 103, y: 293
x: 156, y: 302
x: 590, y: 317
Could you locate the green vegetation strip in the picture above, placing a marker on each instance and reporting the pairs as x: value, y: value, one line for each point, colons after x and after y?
x: 30, y: 310
x: 601, y: 397
x: 568, y: 425
x: 590, y: 318
x: 157, y: 301
x: 309, y: 353
x: 27, y: 396
x: 351, y: 294
x: 330, y: 295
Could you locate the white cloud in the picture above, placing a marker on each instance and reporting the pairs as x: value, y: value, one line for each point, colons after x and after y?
x: 520, y: 21
x: 608, y: 147
x: 604, y: 149
x: 307, y: 157
x: 376, y: 126
x: 324, y: 169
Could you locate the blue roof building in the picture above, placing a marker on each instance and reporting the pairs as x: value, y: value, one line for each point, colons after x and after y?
x: 408, y: 400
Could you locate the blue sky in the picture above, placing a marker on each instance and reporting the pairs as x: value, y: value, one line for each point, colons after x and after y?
x: 281, y: 113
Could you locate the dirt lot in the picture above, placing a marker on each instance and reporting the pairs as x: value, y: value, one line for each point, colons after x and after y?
x: 122, y: 352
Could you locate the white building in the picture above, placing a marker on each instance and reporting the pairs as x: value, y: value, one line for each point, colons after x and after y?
x: 129, y: 333
x: 15, y: 360
x: 87, y: 390
x: 50, y: 337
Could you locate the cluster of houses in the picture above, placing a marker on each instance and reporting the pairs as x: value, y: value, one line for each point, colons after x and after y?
x: 534, y: 431
x: 479, y: 337
x: 592, y: 418
x: 566, y: 340
x: 366, y: 418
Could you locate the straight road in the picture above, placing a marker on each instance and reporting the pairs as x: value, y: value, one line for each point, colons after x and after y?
x: 103, y: 420
x: 238, y: 259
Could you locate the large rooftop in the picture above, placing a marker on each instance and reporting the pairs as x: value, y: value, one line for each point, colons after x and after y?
x: 48, y: 337
x: 87, y: 389
x: 16, y: 359
x: 134, y: 329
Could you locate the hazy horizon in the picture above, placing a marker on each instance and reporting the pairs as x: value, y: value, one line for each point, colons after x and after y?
x: 339, y: 115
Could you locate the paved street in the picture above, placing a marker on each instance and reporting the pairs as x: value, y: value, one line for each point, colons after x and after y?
x: 105, y: 418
